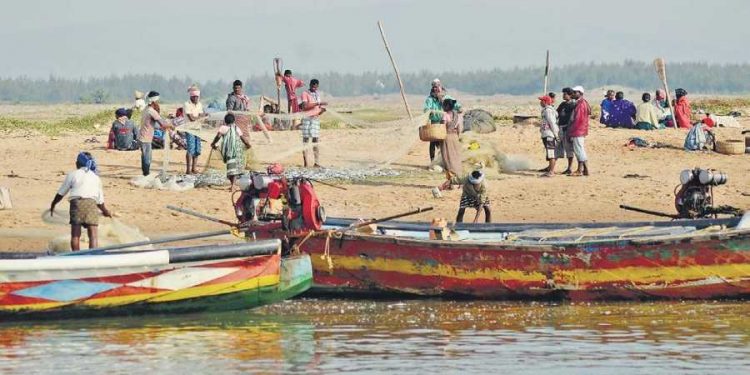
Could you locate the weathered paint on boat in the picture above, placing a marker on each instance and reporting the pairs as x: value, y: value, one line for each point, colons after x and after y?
x: 699, y: 266
x: 153, y: 287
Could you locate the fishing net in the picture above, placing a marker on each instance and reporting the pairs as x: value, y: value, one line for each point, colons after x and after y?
x: 111, y: 231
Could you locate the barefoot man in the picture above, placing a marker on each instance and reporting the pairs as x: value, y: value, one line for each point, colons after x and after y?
x: 86, y: 199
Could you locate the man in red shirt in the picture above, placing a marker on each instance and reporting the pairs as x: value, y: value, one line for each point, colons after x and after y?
x: 682, y: 109
x: 579, y: 129
x: 291, y: 84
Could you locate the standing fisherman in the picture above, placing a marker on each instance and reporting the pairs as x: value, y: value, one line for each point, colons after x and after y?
x: 564, y: 112
x: 291, y: 83
x: 314, y: 107
x: 86, y: 196
x: 193, y: 110
x: 579, y: 129
x: 550, y: 133
x: 149, y: 118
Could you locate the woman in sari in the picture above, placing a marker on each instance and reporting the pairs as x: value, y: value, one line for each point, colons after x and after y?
x: 450, y: 148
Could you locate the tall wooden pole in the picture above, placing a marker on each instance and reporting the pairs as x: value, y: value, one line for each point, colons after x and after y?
x: 661, y: 70
x: 546, y: 74
x: 395, y: 68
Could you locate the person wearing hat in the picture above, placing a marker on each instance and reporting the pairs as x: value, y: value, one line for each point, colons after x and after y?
x: 682, y: 109
x: 150, y: 119
x: 193, y: 110
x: 579, y: 129
x: 550, y: 133
x: 473, y: 195
x: 564, y: 113
x: 86, y: 200
x: 123, y: 134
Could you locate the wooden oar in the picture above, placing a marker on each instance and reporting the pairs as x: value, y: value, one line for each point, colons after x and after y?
x: 375, y: 221
x: 202, y: 216
x: 186, y: 237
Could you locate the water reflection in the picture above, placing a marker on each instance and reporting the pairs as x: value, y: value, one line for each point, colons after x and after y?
x: 325, y: 336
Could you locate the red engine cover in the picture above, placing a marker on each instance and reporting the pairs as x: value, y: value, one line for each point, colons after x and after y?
x: 310, y: 205
x: 274, y: 189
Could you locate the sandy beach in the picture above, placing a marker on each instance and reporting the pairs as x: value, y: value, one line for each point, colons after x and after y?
x: 33, y: 166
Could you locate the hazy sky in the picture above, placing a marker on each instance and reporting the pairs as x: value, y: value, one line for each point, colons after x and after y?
x: 226, y: 39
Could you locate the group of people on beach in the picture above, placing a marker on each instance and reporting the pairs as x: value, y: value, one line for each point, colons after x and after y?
x: 234, y: 138
x: 651, y: 114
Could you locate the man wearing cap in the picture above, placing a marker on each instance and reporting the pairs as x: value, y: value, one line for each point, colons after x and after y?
x: 149, y: 120
x: 193, y: 110
x: 549, y: 132
x: 564, y: 113
x: 123, y: 133
x: 579, y: 129
x: 606, y: 107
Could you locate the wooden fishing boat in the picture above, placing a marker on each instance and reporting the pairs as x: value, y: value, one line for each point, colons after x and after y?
x: 681, y: 259
x: 175, y: 280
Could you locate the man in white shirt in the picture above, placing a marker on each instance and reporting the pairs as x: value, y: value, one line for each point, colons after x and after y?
x: 193, y: 110
x: 86, y: 196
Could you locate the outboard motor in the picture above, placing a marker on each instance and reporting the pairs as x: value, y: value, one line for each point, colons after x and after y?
x: 269, y: 197
x: 695, y: 196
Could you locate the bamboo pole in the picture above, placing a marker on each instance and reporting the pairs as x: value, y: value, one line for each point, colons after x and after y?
x: 395, y: 68
x: 546, y: 74
x: 661, y: 70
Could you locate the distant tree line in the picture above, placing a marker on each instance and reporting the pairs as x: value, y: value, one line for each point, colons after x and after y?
x: 694, y: 77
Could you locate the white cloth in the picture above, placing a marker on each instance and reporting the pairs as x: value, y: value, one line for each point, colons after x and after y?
x: 549, y: 126
x: 194, y: 110
x: 140, y: 104
x: 579, y: 148
x: 82, y: 184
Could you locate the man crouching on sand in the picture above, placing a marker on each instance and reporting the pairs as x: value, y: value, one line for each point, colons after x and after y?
x: 86, y: 196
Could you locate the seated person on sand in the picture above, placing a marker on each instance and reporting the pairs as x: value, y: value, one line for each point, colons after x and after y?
x: 233, y: 145
x: 646, y: 117
x: 622, y: 112
x: 474, y: 195
x: 450, y: 147
x: 123, y: 135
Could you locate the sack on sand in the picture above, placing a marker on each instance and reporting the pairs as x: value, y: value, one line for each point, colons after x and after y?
x: 5, y: 202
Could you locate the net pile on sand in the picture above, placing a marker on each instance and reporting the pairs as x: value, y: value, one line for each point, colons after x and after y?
x: 348, y: 174
x: 161, y: 181
x: 110, y: 231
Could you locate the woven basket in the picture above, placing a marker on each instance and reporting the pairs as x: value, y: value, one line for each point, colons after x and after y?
x: 432, y: 132
x: 731, y: 147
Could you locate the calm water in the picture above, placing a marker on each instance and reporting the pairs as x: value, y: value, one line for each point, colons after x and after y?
x: 419, y: 336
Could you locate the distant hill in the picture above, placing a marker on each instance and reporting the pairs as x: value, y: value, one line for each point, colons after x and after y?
x: 694, y: 77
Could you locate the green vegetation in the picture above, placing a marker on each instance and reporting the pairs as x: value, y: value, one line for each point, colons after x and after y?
x: 80, y: 124
x: 694, y: 77
x: 722, y: 106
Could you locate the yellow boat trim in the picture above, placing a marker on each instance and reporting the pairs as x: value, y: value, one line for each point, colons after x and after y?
x: 638, y: 275
x: 161, y: 296
x: 216, y: 289
x: 34, y: 306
